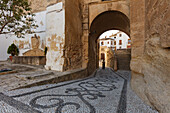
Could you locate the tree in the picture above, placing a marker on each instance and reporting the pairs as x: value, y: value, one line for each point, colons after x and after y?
x: 13, y: 50
x: 16, y: 17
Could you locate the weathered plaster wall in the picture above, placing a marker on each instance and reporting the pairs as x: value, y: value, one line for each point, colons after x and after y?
x: 73, y: 32
x: 150, y: 24
x: 55, y: 36
x: 35, y: 44
x: 39, y: 5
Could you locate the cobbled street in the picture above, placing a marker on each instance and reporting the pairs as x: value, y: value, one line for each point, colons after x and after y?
x: 104, y: 92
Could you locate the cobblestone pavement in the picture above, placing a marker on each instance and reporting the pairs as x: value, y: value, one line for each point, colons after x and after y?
x: 105, y: 92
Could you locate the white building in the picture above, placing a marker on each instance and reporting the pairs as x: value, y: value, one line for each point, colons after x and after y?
x: 119, y: 40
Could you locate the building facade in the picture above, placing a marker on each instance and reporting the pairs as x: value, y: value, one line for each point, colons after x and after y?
x: 109, y: 46
x: 116, y: 41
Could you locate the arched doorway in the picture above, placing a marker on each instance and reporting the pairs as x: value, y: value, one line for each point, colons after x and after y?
x: 115, y: 45
x: 109, y: 20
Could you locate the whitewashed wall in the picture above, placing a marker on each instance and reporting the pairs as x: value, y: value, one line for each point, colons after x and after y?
x: 55, y: 36
x: 124, y: 39
x: 8, y: 39
x: 5, y: 42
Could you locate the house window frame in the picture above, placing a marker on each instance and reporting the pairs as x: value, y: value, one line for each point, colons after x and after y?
x: 120, y: 42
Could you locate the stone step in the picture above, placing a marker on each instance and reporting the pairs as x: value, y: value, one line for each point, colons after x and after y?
x: 39, y: 75
x: 35, y: 75
x: 55, y: 78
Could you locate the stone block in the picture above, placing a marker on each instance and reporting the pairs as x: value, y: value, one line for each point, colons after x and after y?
x: 85, y: 27
x: 85, y: 20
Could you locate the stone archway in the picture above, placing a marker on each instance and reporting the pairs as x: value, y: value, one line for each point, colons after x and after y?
x: 108, y: 20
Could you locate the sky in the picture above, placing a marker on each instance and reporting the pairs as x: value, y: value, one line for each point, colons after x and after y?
x: 108, y: 33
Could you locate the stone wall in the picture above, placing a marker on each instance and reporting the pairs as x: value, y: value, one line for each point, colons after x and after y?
x: 150, y: 52
x: 63, y: 34
x: 92, y: 9
x: 31, y: 60
x: 123, y: 57
x: 39, y: 5
x: 73, y: 32
x: 110, y: 58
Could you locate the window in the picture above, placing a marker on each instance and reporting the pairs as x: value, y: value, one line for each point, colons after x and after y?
x: 128, y: 46
x: 111, y: 42
x: 114, y: 42
x: 102, y: 43
x: 129, y: 41
x: 120, y: 42
x: 120, y: 35
x: 108, y: 42
x: 114, y: 37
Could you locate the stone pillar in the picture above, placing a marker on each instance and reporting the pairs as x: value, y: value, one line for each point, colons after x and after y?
x: 137, y: 24
x: 85, y: 37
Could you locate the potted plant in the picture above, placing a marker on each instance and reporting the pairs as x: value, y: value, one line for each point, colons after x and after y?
x: 13, y: 50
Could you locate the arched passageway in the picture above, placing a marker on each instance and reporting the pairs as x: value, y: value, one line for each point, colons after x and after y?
x: 109, y: 20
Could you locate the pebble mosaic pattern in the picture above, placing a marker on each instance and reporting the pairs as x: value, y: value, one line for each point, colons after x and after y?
x: 104, y: 93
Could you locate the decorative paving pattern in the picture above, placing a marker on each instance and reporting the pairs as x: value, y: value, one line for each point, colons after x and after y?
x: 104, y: 93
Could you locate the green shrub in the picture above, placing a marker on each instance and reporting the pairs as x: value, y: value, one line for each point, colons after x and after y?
x: 13, y: 50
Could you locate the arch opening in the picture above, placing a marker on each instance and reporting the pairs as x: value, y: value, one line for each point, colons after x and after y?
x: 109, y: 20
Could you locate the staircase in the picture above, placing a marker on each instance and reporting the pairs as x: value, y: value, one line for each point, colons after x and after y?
x: 123, y: 59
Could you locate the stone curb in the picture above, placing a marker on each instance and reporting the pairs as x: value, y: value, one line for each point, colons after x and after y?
x: 65, y: 76
x: 35, y: 76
